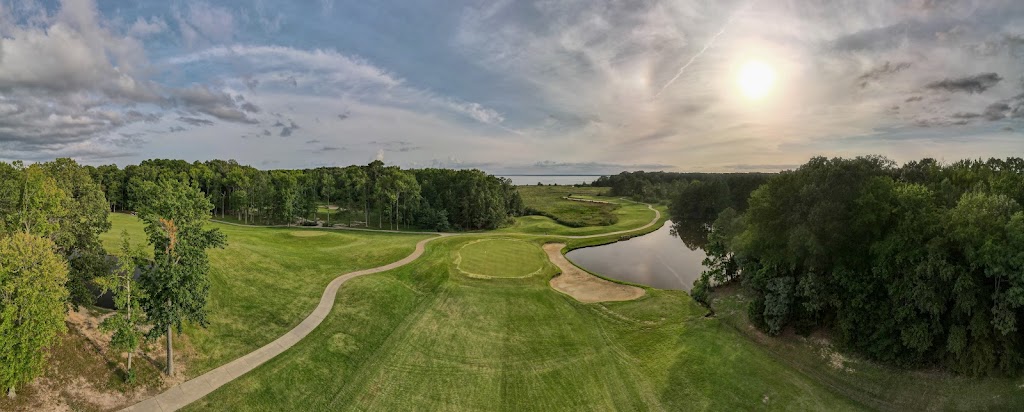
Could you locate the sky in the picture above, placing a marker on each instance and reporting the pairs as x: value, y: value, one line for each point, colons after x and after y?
x: 512, y: 87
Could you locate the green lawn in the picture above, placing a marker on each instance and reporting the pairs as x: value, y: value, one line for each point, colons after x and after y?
x: 423, y: 337
x: 500, y: 257
x: 550, y: 201
x: 268, y: 279
x: 427, y: 337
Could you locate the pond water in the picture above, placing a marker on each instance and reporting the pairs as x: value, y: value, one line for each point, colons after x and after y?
x: 668, y: 258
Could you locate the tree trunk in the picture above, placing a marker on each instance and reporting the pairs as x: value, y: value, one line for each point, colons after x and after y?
x: 10, y: 392
x: 170, y: 353
x: 328, y: 211
x: 130, y: 361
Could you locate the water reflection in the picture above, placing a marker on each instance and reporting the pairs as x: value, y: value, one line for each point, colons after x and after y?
x: 657, y: 259
x: 693, y: 233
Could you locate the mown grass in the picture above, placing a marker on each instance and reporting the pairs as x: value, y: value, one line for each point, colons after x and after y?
x: 549, y: 201
x: 500, y: 257
x: 268, y: 279
x: 423, y: 337
x: 876, y: 386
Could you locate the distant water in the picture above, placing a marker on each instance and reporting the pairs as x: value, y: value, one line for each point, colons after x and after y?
x: 552, y: 179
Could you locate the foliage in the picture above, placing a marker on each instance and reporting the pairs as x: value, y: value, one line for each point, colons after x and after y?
x: 125, y: 326
x: 912, y: 265
x: 32, y: 305
x: 176, y: 283
x: 667, y: 186
x: 59, y: 200
x: 430, y: 198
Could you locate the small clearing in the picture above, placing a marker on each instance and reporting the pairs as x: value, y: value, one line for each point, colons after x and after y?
x: 583, y: 286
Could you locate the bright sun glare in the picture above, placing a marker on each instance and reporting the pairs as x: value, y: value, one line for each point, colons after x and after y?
x: 756, y: 79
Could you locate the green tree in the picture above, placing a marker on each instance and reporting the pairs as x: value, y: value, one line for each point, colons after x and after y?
x: 176, y: 283
x: 328, y: 188
x: 78, y: 238
x: 32, y: 305
x: 126, y: 326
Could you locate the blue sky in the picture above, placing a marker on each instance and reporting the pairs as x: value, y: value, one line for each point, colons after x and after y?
x: 567, y: 86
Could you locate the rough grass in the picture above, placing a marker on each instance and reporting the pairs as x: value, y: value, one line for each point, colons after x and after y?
x: 630, y: 216
x: 549, y: 201
x: 423, y: 337
x: 267, y: 280
x: 499, y: 257
x: 878, y: 387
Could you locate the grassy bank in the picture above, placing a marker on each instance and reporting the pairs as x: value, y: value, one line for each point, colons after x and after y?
x: 428, y: 337
x: 268, y: 279
x: 550, y: 202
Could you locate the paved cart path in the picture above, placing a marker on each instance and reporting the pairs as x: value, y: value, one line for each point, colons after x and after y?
x: 193, y: 389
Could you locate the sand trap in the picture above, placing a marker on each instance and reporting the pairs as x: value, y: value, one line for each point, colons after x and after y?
x: 308, y: 233
x: 583, y: 286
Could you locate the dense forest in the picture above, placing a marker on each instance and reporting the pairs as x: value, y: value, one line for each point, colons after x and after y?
x: 725, y: 189
x: 436, y: 199
x: 694, y: 199
x: 915, y: 265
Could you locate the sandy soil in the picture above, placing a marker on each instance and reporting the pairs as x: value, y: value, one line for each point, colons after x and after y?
x: 64, y: 388
x: 583, y: 286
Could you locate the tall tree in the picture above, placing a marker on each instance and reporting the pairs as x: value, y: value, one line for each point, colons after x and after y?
x: 125, y: 326
x: 32, y: 305
x: 176, y: 283
x: 78, y: 238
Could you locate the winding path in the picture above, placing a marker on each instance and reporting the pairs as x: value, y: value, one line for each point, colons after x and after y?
x: 190, y: 391
x: 193, y: 389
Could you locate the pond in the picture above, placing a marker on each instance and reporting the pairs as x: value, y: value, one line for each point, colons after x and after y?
x: 668, y: 258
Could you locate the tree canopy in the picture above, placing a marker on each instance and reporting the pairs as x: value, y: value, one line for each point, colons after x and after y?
x: 915, y: 265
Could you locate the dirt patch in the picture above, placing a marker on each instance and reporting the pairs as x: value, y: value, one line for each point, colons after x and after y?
x: 583, y: 286
x: 308, y: 233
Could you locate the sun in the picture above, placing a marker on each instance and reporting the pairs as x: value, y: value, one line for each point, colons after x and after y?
x: 756, y: 79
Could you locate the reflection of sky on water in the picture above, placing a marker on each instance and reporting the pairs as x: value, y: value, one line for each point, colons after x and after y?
x: 657, y: 259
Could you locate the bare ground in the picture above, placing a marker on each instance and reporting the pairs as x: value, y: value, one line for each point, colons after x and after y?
x: 82, y: 374
x: 583, y: 286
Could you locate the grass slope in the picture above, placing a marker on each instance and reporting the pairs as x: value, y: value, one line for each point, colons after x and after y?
x: 878, y: 386
x: 423, y: 337
x: 268, y: 279
x: 550, y: 201
x: 630, y: 216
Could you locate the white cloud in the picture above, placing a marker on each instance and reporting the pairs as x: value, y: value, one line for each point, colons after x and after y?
x: 146, y: 28
x: 203, y: 24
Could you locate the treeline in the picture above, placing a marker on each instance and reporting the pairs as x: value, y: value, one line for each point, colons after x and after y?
x: 916, y: 265
x: 51, y: 259
x: 437, y: 199
x: 652, y: 187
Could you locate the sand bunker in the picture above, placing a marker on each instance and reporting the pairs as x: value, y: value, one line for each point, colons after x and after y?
x: 583, y: 286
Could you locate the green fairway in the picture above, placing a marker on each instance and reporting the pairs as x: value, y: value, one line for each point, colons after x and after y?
x: 423, y: 337
x: 267, y: 280
x: 501, y: 258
